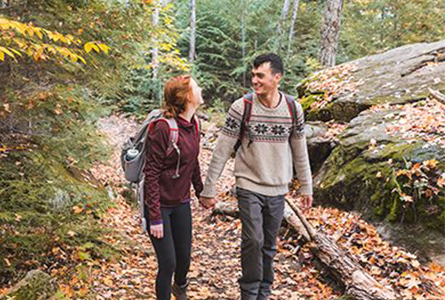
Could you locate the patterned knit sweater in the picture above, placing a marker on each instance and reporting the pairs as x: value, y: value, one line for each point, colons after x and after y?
x: 264, y: 166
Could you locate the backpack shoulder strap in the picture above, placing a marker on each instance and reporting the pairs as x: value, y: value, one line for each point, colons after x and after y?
x: 292, y: 106
x: 247, y: 113
x: 197, y: 124
x: 173, y: 131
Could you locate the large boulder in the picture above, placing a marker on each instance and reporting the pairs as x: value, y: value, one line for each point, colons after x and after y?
x: 36, y: 285
x: 399, y: 76
x: 394, y: 176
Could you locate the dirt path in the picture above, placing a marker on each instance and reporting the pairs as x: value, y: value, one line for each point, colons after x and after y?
x: 215, y: 257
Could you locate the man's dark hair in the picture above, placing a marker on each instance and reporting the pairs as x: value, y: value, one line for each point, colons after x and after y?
x: 275, y: 62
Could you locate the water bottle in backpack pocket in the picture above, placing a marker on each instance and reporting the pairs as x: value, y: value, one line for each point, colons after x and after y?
x: 133, y: 150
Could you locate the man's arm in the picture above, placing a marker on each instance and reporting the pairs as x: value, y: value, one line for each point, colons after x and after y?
x: 300, y: 158
x: 224, y: 148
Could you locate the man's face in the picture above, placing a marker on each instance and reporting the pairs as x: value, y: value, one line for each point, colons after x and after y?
x: 264, y: 81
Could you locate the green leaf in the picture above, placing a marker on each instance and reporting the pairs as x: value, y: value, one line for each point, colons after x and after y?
x: 84, y: 256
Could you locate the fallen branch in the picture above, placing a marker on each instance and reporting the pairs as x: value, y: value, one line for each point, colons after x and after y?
x: 437, y: 95
x: 358, y: 283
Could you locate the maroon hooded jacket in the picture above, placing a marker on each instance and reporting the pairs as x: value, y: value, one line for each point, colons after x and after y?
x: 160, y: 188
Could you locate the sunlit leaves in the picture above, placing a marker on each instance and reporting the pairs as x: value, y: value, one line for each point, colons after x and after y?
x: 42, y: 44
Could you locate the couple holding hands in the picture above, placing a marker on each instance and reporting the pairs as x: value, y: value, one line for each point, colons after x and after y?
x: 265, y: 131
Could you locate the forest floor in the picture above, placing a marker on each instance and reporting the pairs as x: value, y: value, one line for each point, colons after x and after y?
x: 215, y: 264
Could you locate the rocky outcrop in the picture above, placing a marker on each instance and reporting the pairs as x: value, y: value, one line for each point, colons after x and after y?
x: 389, y: 164
x: 402, y: 75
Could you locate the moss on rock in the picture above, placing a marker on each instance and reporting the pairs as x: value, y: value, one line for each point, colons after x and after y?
x: 37, y: 285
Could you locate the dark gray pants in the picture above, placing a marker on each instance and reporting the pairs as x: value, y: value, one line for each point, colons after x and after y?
x: 261, y: 218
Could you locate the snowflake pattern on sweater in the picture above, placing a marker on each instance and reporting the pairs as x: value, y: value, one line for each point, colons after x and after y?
x: 264, y: 127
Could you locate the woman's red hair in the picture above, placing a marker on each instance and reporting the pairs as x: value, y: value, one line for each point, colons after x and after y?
x: 177, y: 92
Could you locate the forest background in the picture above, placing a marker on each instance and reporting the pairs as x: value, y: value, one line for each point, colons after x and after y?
x: 64, y: 64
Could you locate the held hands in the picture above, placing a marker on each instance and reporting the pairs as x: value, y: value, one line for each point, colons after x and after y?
x: 306, y: 203
x: 157, y: 231
x: 207, y: 202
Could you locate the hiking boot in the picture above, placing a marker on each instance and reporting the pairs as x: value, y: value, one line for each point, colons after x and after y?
x: 180, y: 292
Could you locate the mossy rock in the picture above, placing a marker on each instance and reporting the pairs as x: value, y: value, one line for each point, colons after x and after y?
x: 359, y: 175
x: 398, y: 76
x: 36, y: 285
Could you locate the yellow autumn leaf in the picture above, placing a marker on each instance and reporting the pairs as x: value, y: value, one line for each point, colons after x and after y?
x: 2, y: 56
x: 88, y: 47
x: 108, y: 281
x: 77, y: 210
x: 104, y: 48
x: 404, y: 172
x: 39, y: 33
x: 96, y: 48
x: 6, y: 51
x: 30, y: 31
x: 16, y: 52
x: 73, y: 58
x: 82, y: 59
x: 430, y: 164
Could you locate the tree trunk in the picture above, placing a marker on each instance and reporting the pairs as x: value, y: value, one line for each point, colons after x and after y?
x: 359, y: 284
x: 155, y: 50
x: 243, y: 40
x: 330, y: 32
x: 192, y: 30
x: 284, y: 13
x: 292, y: 25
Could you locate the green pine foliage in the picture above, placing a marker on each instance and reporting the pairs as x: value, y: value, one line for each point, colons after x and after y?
x: 367, y: 27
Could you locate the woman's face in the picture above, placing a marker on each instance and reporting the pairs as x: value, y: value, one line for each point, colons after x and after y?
x: 197, y: 94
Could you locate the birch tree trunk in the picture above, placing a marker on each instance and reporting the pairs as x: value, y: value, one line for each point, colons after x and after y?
x: 284, y: 13
x: 192, y: 52
x: 330, y: 32
x: 243, y: 39
x: 292, y: 25
x: 155, y: 50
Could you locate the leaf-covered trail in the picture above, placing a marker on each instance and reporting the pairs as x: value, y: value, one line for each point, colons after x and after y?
x: 215, y: 257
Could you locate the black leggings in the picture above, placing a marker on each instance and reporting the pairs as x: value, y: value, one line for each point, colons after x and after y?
x: 173, y: 250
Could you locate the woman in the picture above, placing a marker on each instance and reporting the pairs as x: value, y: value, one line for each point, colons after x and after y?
x: 167, y: 195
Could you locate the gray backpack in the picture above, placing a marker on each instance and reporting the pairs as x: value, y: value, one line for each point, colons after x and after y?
x: 133, y: 155
x: 133, y: 150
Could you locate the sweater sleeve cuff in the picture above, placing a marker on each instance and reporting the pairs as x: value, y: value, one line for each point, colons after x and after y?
x: 305, y: 191
x: 156, y: 222
x: 208, y: 192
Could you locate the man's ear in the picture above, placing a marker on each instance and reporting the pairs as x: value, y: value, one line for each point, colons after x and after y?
x: 278, y: 77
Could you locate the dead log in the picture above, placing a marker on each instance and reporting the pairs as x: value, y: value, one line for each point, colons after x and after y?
x: 437, y: 95
x: 358, y: 283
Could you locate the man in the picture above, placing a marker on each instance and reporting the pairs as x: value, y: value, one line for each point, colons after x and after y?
x: 264, y: 165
